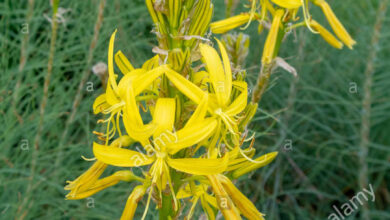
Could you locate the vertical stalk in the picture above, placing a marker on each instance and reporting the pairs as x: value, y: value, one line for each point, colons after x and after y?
x: 84, y: 78
x: 23, y: 59
x: 367, y: 101
x: 166, y: 211
x: 35, y: 153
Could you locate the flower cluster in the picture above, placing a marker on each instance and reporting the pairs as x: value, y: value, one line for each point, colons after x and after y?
x: 285, y: 17
x: 188, y: 108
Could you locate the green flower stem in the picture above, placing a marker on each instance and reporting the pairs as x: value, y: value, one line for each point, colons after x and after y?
x: 166, y: 211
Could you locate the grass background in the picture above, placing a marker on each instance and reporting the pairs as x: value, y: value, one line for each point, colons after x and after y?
x: 318, y: 114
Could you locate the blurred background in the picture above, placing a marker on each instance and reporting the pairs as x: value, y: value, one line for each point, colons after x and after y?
x: 331, y: 124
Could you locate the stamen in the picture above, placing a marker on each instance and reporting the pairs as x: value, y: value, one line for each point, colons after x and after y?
x: 147, y: 203
x: 88, y: 159
x: 251, y: 13
x: 306, y: 15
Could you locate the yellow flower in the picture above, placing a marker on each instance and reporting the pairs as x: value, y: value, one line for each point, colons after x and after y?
x: 112, y: 102
x: 99, y: 185
x: 89, y: 178
x: 165, y: 143
x: 270, y: 43
x: 223, y: 26
x: 221, y: 105
x: 326, y: 35
x: 336, y: 25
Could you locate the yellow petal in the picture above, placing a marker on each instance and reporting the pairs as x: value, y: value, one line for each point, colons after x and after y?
x: 132, y: 202
x: 250, y: 166
x: 100, y: 104
x: 270, y: 43
x: 199, y: 112
x: 133, y: 122
x: 191, y: 135
x: 227, y: 68
x: 223, y: 26
x: 224, y: 202
x: 111, y: 96
x: 123, y: 63
x: 87, y: 179
x: 288, y: 4
x: 326, y: 35
x: 111, y: 75
x: 126, y: 81
x: 216, y: 71
x: 200, y: 79
x: 199, y: 166
x: 123, y: 175
x: 211, y: 200
x: 239, y: 104
x: 184, y: 192
x: 120, y: 157
x: 164, y: 115
x: 189, y: 89
x: 207, y: 209
x: 336, y: 25
x: 151, y: 63
x: 142, y: 82
x: 243, y: 204
x: 140, y: 133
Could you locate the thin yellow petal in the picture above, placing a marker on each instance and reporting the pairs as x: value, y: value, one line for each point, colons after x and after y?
x: 132, y: 202
x: 199, y: 166
x: 288, y: 4
x: 87, y: 179
x: 250, y: 166
x: 216, y: 71
x: 100, y: 104
x: 326, y: 35
x: 164, y: 115
x: 120, y: 157
x: 227, y: 68
x: 184, y: 192
x: 336, y: 25
x: 200, y: 79
x: 223, y: 26
x: 111, y: 96
x: 123, y: 175
x: 211, y: 200
x: 224, y: 202
x: 199, y: 112
x: 123, y: 63
x: 142, y: 82
x: 111, y: 74
x: 191, y: 135
x: 243, y: 204
x: 270, y: 43
x: 240, y: 102
x: 189, y: 89
x: 126, y: 81
x: 133, y: 121
x: 151, y: 63
x: 207, y: 209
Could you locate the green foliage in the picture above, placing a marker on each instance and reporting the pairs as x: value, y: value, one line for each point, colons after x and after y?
x: 319, y: 113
